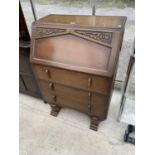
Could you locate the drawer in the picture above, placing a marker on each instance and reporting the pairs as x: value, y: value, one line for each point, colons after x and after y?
x: 99, y: 105
x: 75, y: 79
x: 65, y: 96
x: 91, y: 103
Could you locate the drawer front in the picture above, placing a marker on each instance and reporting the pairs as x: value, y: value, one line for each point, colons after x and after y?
x: 99, y: 106
x: 90, y: 103
x: 65, y: 96
x: 75, y: 79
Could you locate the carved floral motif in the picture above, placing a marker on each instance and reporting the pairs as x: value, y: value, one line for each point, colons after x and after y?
x: 105, y: 37
x: 42, y: 32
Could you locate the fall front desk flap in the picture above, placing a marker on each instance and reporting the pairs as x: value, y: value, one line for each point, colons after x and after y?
x: 88, y: 44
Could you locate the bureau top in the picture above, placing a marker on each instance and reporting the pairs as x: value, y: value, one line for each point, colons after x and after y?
x: 85, y: 20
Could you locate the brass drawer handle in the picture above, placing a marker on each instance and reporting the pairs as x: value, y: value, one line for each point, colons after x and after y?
x: 90, y: 95
x: 89, y: 82
x: 51, y: 86
x: 89, y: 106
x: 47, y: 72
x: 54, y: 98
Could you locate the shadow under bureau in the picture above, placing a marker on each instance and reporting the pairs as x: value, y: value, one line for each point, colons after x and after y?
x: 75, y: 59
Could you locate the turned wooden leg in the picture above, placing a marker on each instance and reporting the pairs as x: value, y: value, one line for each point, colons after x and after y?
x: 94, y: 123
x: 55, y: 109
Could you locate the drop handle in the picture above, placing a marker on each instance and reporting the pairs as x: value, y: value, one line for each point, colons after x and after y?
x: 89, y: 82
x: 51, y: 86
x: 89, y: 106
x: 47, y: 72
x: 89, y: 95
x: 54, y: 98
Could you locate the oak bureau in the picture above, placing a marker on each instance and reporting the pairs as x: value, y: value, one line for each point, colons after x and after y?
x: 75, y: 60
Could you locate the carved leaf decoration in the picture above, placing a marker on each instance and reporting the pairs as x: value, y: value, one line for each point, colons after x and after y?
x: 104, y: 37
x: 44, y: 32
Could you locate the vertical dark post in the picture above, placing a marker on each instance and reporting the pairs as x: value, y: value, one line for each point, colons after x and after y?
x: 93, y: 4
x: 33, y: 10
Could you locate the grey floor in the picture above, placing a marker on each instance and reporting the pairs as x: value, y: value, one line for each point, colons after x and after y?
x: 69, y: 133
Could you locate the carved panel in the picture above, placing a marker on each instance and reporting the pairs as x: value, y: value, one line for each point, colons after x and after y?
x: 45, y: 32
x: 104, y: 37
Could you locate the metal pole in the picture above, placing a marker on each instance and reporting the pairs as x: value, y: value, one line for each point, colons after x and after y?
x: 93, y: 5
x: 33, y: 10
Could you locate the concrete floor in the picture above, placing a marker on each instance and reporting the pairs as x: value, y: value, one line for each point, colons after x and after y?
x: 69, y: 133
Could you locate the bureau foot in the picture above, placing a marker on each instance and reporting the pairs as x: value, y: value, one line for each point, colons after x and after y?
x: 55, y: 110
x: 94, y: 123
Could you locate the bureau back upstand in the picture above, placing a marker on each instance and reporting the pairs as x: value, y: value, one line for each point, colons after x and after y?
x: 75, y: 59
